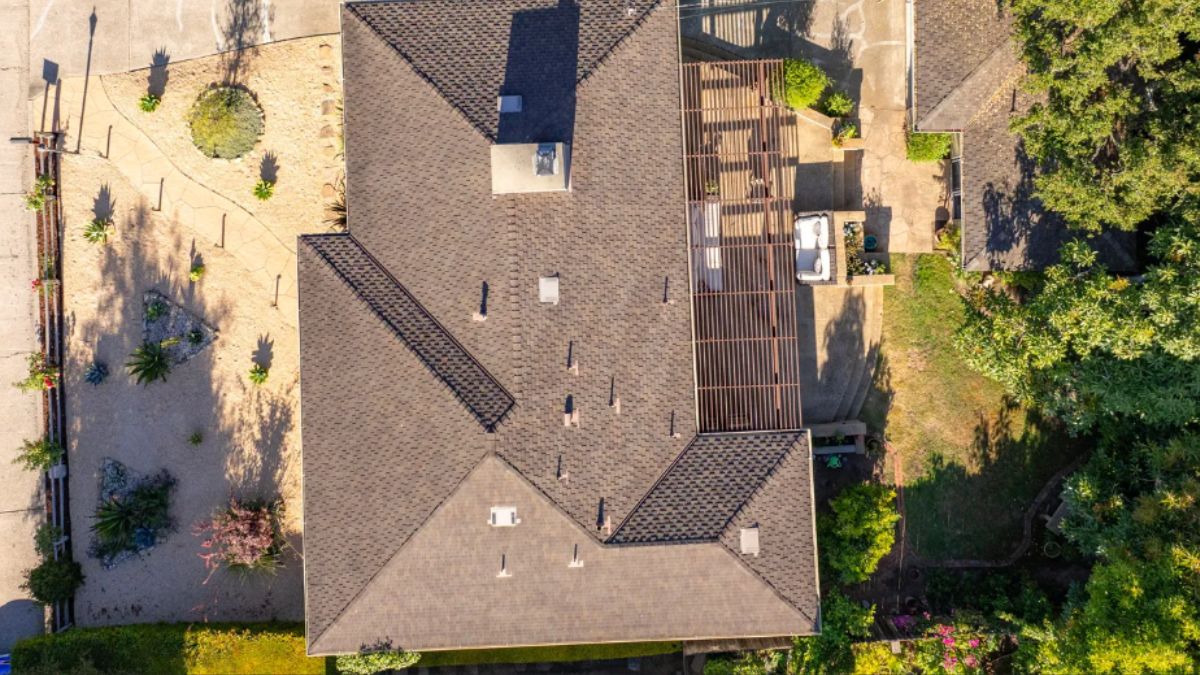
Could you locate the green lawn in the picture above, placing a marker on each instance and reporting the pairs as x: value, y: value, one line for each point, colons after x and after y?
x: 972, y: 460
x: 171, y: 649
x: 622, y: 650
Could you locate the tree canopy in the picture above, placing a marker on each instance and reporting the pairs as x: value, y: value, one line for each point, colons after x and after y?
x: 1118, y: 89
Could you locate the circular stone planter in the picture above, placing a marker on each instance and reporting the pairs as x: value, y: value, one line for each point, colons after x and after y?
x: 226, y: 122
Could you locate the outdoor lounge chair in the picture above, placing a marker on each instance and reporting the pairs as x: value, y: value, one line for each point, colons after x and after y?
x: 813, y: 253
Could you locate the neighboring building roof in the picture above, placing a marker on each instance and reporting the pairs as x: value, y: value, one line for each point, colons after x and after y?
x: 967, y: 72
x: 426, y: 354
x: 1004, y: 224
x: 957, y: 44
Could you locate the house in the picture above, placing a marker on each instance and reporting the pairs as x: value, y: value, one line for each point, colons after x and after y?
x: 501, y: 431
x: 965, y: 78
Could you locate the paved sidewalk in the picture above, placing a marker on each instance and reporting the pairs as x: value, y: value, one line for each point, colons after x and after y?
x: 20, y: 510
x: 113, y: 36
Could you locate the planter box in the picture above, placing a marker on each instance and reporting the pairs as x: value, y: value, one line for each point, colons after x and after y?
x: 872, y: 280
x: 849, y: 449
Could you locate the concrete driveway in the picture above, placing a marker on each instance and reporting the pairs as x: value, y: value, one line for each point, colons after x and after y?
x: 122, y: 35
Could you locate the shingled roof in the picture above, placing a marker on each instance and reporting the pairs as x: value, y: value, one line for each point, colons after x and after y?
x: 434, y: 379
x: 966, y: 79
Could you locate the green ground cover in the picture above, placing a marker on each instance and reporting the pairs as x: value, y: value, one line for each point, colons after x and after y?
x: 972, y: 460
x: 622, y: 650
x: 171, y: 649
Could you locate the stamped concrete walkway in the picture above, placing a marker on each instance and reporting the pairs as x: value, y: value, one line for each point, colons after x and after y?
x: 266, y: 250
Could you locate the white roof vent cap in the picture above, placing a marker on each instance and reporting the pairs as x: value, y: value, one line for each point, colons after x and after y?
x: 750, y: 541
x: 548, y: 289
x: 504, y: 516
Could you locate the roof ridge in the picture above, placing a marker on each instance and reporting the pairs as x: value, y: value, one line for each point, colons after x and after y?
x: 445, y: 498
x: 489, y: 419
x: 404, y: 58
x: 661, y: 477
x: 621, y: 41
x: 758, y: 490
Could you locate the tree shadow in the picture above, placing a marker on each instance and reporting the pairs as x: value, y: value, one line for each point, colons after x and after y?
x: 830, y: 362
x: 246, y: 450
x: 974, y: 510
x: 103, y: 205
x: 268, y: 168
x: 240, y: 32
x: 156, y: 80
x: 264, y: 352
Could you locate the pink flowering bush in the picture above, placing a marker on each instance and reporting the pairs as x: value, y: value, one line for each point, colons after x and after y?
x: 245, y: 536
x: 960, y: 649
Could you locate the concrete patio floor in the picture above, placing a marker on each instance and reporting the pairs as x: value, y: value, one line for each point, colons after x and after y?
x: 861, y: 44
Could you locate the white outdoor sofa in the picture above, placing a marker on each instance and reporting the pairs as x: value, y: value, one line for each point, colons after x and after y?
x: 814, y: 250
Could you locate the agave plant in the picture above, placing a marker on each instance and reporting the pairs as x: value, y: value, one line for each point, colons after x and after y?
x: 149, y: 102
x: 97, y: 231
x: 96, y: 373
x: 196, y: 273
x: 148, y: 363
x: 115, y: 523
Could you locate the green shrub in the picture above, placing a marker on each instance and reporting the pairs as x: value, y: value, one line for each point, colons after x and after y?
x: 376, y: 659
x: 802, y: 84
x: 131, y: 522
x: 196, y: 273
x: 39, y: 455
x: 35, y: 199
x: 263, y: 189
x: 97, y: 231
x: 860, y: 531
x: 258, y: 374
x: 846, y: 131
x: 149, y: 102
x: 924, y: 147
x: 837, y: 104
x: 44, y: 539
x: 42, y: 376
x: 842, y: 621
x: 53, y: 580
x: 148, y: 363
x: 226, y: 122
x: 156, y: 310
x: 170, y: 649
x: 196, y: 438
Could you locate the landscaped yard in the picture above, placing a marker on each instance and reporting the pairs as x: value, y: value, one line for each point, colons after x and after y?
x: 970, y: 460
x: 178, y: 277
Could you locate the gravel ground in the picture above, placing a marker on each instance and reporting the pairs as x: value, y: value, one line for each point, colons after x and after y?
x: 251, y: 437
x: 297, y: 84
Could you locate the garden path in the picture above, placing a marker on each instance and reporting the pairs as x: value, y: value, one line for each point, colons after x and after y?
x: 266, y: 249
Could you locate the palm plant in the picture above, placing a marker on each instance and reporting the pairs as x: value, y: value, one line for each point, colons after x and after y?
x: 116, y: 521
x: 258, y: 374
x: 263, y: 189
x: 148, y: 363
x: 97, y: 231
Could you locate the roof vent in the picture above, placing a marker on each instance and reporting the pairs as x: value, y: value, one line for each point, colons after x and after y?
x: 509, y: 104
x: 750, y: 541
x: 504, y: 573
x: 545, y: 160
x: 576, y: 561
x: 504, y: 516
x: 548, y: 289
x: 530, y: 167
